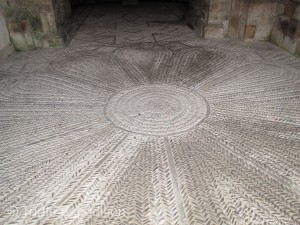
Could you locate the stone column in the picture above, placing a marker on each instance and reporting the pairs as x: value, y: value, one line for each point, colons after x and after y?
x: 286, y: 28
x: 217, y: 25
x: 35, y: 23
x: 5, y: 45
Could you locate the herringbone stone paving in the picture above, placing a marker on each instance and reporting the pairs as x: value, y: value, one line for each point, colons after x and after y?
x: 145, y: 126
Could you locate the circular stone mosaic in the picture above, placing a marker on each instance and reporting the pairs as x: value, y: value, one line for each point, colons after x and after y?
x: 158, y: 109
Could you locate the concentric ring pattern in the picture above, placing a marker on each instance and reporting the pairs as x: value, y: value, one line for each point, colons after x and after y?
x: 191, y: 132
x: 157, y: 109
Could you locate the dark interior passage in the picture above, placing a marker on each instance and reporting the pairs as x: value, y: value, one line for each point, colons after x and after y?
x: 43, y: 24
x: 146, y: 22
x: 124, y: 2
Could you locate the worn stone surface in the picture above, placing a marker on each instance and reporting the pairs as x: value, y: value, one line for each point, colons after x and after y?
x: 168, y: 131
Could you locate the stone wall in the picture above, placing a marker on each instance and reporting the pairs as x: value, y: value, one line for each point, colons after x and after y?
x: 217, y: 26
x: 276, y: 20
x: 244, y: 19
x: 261, y: 17
x: 209, y: 18
x: 63, y: 12
x: 197, y: 15
x: 5, y: 45
x: 46, y: 23
x: 252, y: 19
x: 286, y: 29
x: 36, y: 23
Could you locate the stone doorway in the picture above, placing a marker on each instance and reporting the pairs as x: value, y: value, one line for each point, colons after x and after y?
x: 146, y: 22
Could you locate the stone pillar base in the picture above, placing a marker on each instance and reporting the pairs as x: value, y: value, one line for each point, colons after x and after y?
x: 214, y: 31
x: 6, y: 51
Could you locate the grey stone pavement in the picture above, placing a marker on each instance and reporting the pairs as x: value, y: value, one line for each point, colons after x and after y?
x: 139, y: 121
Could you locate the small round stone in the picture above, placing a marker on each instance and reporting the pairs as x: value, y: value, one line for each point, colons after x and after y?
x: 157, y: 109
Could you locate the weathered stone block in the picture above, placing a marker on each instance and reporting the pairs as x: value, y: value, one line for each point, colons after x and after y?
x: 250, y: 31
x: 5, y: 45
x: 44, y: 2
x: 219, y: 12
x: 214, y: 31
x: 234, y: 26
x: 48, y: 23
x: 235, y: 18
x: 289, y: 44
x: 290, y: 8
x: 45, y: 8
x: 297, y: 13
x: 262, y: 9
x: 20, y: 34
x: 262, y: 15
x: 52, y: 42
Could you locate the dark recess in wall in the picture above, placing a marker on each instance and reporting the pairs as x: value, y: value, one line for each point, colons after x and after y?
x: 88, y: 2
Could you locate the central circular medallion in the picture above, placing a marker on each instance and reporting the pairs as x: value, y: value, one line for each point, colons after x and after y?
x: 157, y: 109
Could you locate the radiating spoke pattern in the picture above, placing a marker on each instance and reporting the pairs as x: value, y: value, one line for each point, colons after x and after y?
x: 173, y: 132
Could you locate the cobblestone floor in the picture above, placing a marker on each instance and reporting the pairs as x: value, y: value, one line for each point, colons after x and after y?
x: 138, y: 121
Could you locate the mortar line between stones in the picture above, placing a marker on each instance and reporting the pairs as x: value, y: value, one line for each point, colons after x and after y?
x: 174, y: 178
